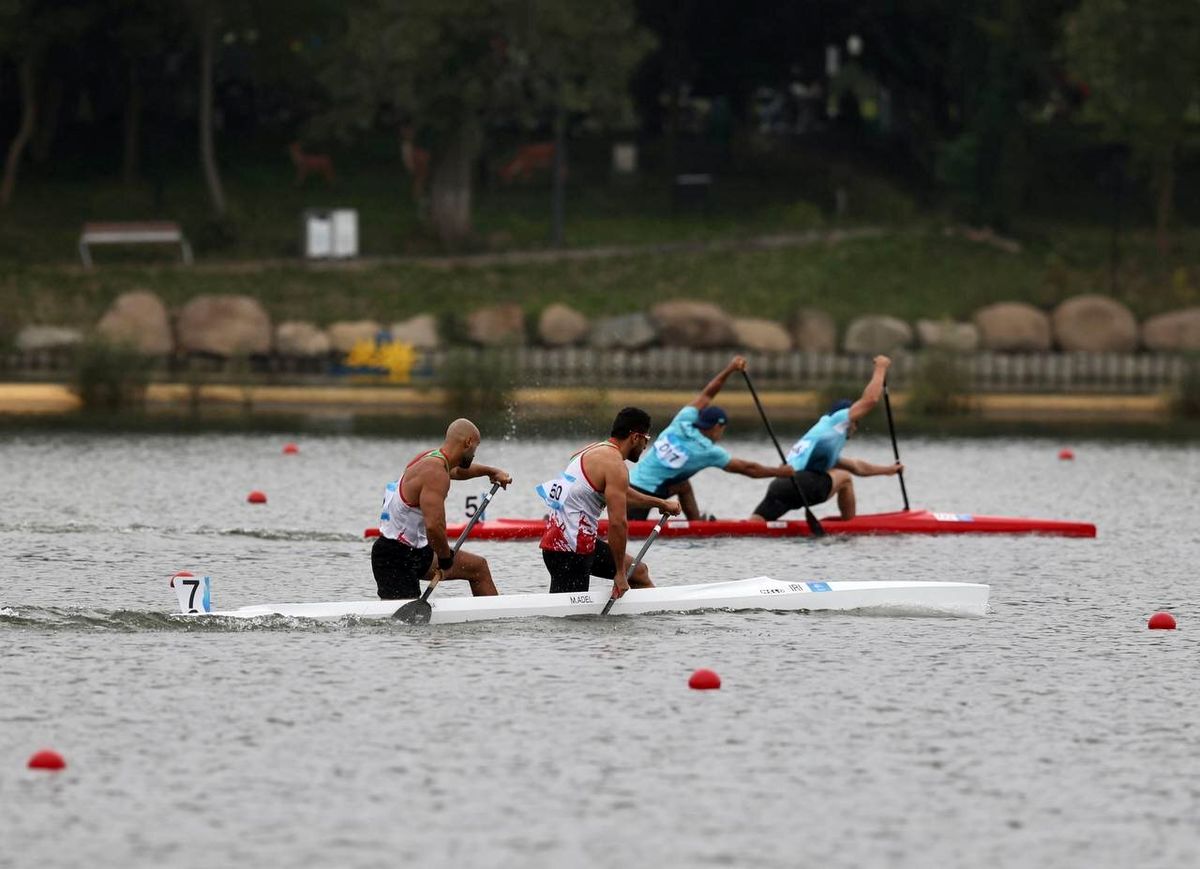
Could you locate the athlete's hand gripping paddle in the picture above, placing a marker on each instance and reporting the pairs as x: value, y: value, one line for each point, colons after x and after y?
x: 420, y: 611
x: 641, y: 554
x: 887, y: 405
x: 814, y: 526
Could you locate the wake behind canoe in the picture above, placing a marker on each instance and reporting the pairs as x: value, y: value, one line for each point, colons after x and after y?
x: 899, y: 522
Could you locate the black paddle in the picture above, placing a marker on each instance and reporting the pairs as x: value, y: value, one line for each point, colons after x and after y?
x: 419, y: 611
x: 642, y: 554
x: 814, y: 526
x: 887, y: 405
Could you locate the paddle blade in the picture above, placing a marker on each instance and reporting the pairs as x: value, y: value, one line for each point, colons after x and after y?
x: 415, y: 612
x: 814, y: 526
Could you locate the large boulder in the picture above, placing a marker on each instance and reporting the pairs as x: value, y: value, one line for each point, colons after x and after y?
x: 1173, y: 332
x: 1013, y: 327
x: 753, y: 333
x: 497, y: 325
x: 1095, y: 324
x: 48, y: 338
x: 224, y: 326
x: 876, y: 333
x: 561, y: 326
x: 300, y: 340
x: 814, y: 331
x: 420, y: 332
x: 696, y: 325
x: 345, y: 334
x: 626, y: 332
x: 948, y: 335
x: 139, y: 319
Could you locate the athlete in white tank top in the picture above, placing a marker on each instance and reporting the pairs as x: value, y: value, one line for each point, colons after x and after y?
x: 401, y: 520
x: 575, y: 507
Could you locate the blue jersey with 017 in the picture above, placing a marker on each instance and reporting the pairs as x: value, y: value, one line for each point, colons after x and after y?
x: 678, y: 453
x: 821, y: 446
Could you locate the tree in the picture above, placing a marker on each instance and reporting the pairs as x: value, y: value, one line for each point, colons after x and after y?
x: 28, y: 31
x: 1140, y: 62
x: 452, y: 67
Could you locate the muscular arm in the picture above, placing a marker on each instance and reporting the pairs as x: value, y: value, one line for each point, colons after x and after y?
x: 756, y: 471
x: 634, y: 498
x: 434, y: 488
x: 477, y: 470
x: 614, y: 483
x: 873, y: 391
x: 706, y: 396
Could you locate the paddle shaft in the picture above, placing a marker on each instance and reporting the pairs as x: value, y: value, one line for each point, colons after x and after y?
x: 462, y: 538
x: 641, y: 554
x: 887, y: 405
x: 813, y: 525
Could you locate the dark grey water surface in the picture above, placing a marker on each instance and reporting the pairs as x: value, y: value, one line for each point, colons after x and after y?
x: 1057, y: 731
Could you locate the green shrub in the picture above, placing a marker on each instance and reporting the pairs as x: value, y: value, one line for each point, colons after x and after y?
x: 941, y: 385
x: 479, y: 384
x: 109, y: 378
x: 1187, y: 396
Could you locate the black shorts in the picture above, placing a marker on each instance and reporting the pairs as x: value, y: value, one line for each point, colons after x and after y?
x: 572, y: 572
x: 399, y: 568
x: 781, y: 494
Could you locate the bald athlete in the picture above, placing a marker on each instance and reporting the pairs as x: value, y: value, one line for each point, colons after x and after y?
x: 412, y: 542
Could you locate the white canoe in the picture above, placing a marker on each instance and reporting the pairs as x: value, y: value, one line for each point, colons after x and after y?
x: 758, y: 593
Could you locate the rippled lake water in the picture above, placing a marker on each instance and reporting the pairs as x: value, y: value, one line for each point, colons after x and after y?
x: 1056, y: 731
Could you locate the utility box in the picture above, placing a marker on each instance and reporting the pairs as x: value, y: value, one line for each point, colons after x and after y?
x: 330, y: 233
x: 624, y: 158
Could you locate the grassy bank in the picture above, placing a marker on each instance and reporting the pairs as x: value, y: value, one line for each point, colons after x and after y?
x: 908, y: 273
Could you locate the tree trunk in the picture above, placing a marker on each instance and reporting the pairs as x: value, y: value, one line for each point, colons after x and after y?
x: 24, y: 131
x: 1165, y: 188
x: 450, y: 192
x: 49, y: 111
x: 559, y: 167
x: 132, y: 158
x: 208, y: 159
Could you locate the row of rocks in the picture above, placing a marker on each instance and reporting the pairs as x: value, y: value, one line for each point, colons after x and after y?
x: 229, y: 325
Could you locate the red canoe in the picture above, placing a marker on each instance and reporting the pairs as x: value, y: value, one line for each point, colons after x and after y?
x: 901, y: 522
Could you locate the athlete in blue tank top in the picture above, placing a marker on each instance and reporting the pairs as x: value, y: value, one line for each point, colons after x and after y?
x: 690, y: 444
x: 820, y: 469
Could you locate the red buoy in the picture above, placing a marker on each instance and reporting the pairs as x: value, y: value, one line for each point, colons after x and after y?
x: 290, y: 449
x: 371, y: 532
x: 1161, y: 622
x: 256, y: 497
x: 47, y: 759
x: 1066, y: 455
x: 183, y: 574
x: 704, y: 680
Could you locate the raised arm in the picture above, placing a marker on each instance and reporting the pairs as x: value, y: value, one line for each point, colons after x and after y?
x: 434, y: 489
x: 705, y: 398
x: 873, y: 392
x: 757, y: 471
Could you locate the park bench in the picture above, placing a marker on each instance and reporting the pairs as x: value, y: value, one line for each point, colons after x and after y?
x: 142, y: 232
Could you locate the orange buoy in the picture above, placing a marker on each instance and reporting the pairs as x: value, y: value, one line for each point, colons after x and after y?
x: 183, y: 574
x: 47, y: 759
x: 1066, y: 455
x: 704, y: 680
x: 256, y: 497
x: 290, y: 449
x: 1161, y: 622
